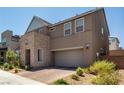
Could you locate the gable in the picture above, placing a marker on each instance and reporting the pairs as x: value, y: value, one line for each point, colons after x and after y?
x: 36, y: 23
x: 113, y: 40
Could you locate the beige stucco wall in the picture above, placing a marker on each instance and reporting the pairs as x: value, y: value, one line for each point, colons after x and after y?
x: 91, y: 36
x: 13, y: 45
x: 98, y: 40
x: 80, y: 39
x: 27, y: 42
x: 41, y: 41
x: 36, y: 40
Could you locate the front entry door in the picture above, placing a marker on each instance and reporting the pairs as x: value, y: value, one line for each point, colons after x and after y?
x: 27, y: 57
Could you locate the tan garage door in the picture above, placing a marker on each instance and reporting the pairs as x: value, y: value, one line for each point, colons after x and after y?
x: 69, y: 58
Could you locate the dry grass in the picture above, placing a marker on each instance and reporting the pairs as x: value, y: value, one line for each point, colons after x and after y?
x: 83, y: 80
x: 86, y: 79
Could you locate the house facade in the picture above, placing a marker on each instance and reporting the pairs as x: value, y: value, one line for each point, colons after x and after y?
x: 70, y: 43
x: 114, y: 43
x: 8, y: 41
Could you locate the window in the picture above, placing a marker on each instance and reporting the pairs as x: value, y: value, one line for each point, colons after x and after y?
x: 102, y: 51
x: 52, y: 29
x: 40, y: 55
x: 102, y: 31
x: 67, y: 29
x: 79, y: 25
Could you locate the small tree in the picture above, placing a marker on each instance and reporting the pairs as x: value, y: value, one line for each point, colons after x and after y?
x: 12, y: 58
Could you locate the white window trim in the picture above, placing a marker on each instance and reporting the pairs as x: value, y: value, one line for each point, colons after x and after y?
x: 102, y: 30
x: 83, y: 24
x: 70, y: 29
x: 54, y: 29
x: 42, y: 55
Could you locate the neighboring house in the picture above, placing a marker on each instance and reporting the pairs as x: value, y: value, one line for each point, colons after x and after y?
x: 114, y: 43
x: 70, y: 43
x: 8, y: 41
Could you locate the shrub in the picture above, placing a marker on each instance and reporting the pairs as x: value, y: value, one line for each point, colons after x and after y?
x: 6, y: 66
x: 75, y: 77
x: 102, y: 67
x: 12, y: 58
x: 27, y: 67
x: 16, y: 64
x: 1, y: 63
x: 11, y: 66
x: 16, y: 70
x: 106, y: 79
x: 79, y: 71
x: 86, y: 70
x: 61, y: 82
x: 17, y: 61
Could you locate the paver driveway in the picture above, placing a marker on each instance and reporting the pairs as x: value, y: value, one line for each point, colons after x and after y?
x: 47, y: 75
x: 7, y: 78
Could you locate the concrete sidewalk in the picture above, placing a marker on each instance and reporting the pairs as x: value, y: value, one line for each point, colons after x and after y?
x: 7, y: 78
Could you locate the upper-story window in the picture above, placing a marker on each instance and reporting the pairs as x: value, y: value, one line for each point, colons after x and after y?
x: 102, y: 30
x: 67, y: 29
x: 79, y: 25
x: 52, y: 29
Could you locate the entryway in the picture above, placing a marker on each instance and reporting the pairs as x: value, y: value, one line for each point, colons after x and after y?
x: 27, y: 57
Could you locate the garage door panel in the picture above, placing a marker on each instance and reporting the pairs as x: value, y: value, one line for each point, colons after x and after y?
x: 70, y: 58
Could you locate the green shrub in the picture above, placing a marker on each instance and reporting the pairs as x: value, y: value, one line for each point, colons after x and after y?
x: 75, y: 77
x: 16, y: 70
x: 106, y: 79
x: 86, y: 70
x: 27, y: 67
x: 1, y: 63
x: 79, y: 71
x: 1, y: 67
x: 12, y: 58
x: 102, y: 67
x: 6, y: 66
x: 11, y: 66
x: 61, y: 82
x: 16, y: 64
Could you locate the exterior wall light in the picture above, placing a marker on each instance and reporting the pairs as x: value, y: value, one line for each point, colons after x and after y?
x: 87, y: 46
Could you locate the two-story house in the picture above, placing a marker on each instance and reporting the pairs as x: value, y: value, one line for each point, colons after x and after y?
x: 8, y: 41
x: 114, y: 43
x: 69, y: 43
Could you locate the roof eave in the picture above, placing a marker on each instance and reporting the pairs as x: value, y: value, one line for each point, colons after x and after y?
x: 75, y: 17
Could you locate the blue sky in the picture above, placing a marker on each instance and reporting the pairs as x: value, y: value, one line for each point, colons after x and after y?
x: 18, y: 19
